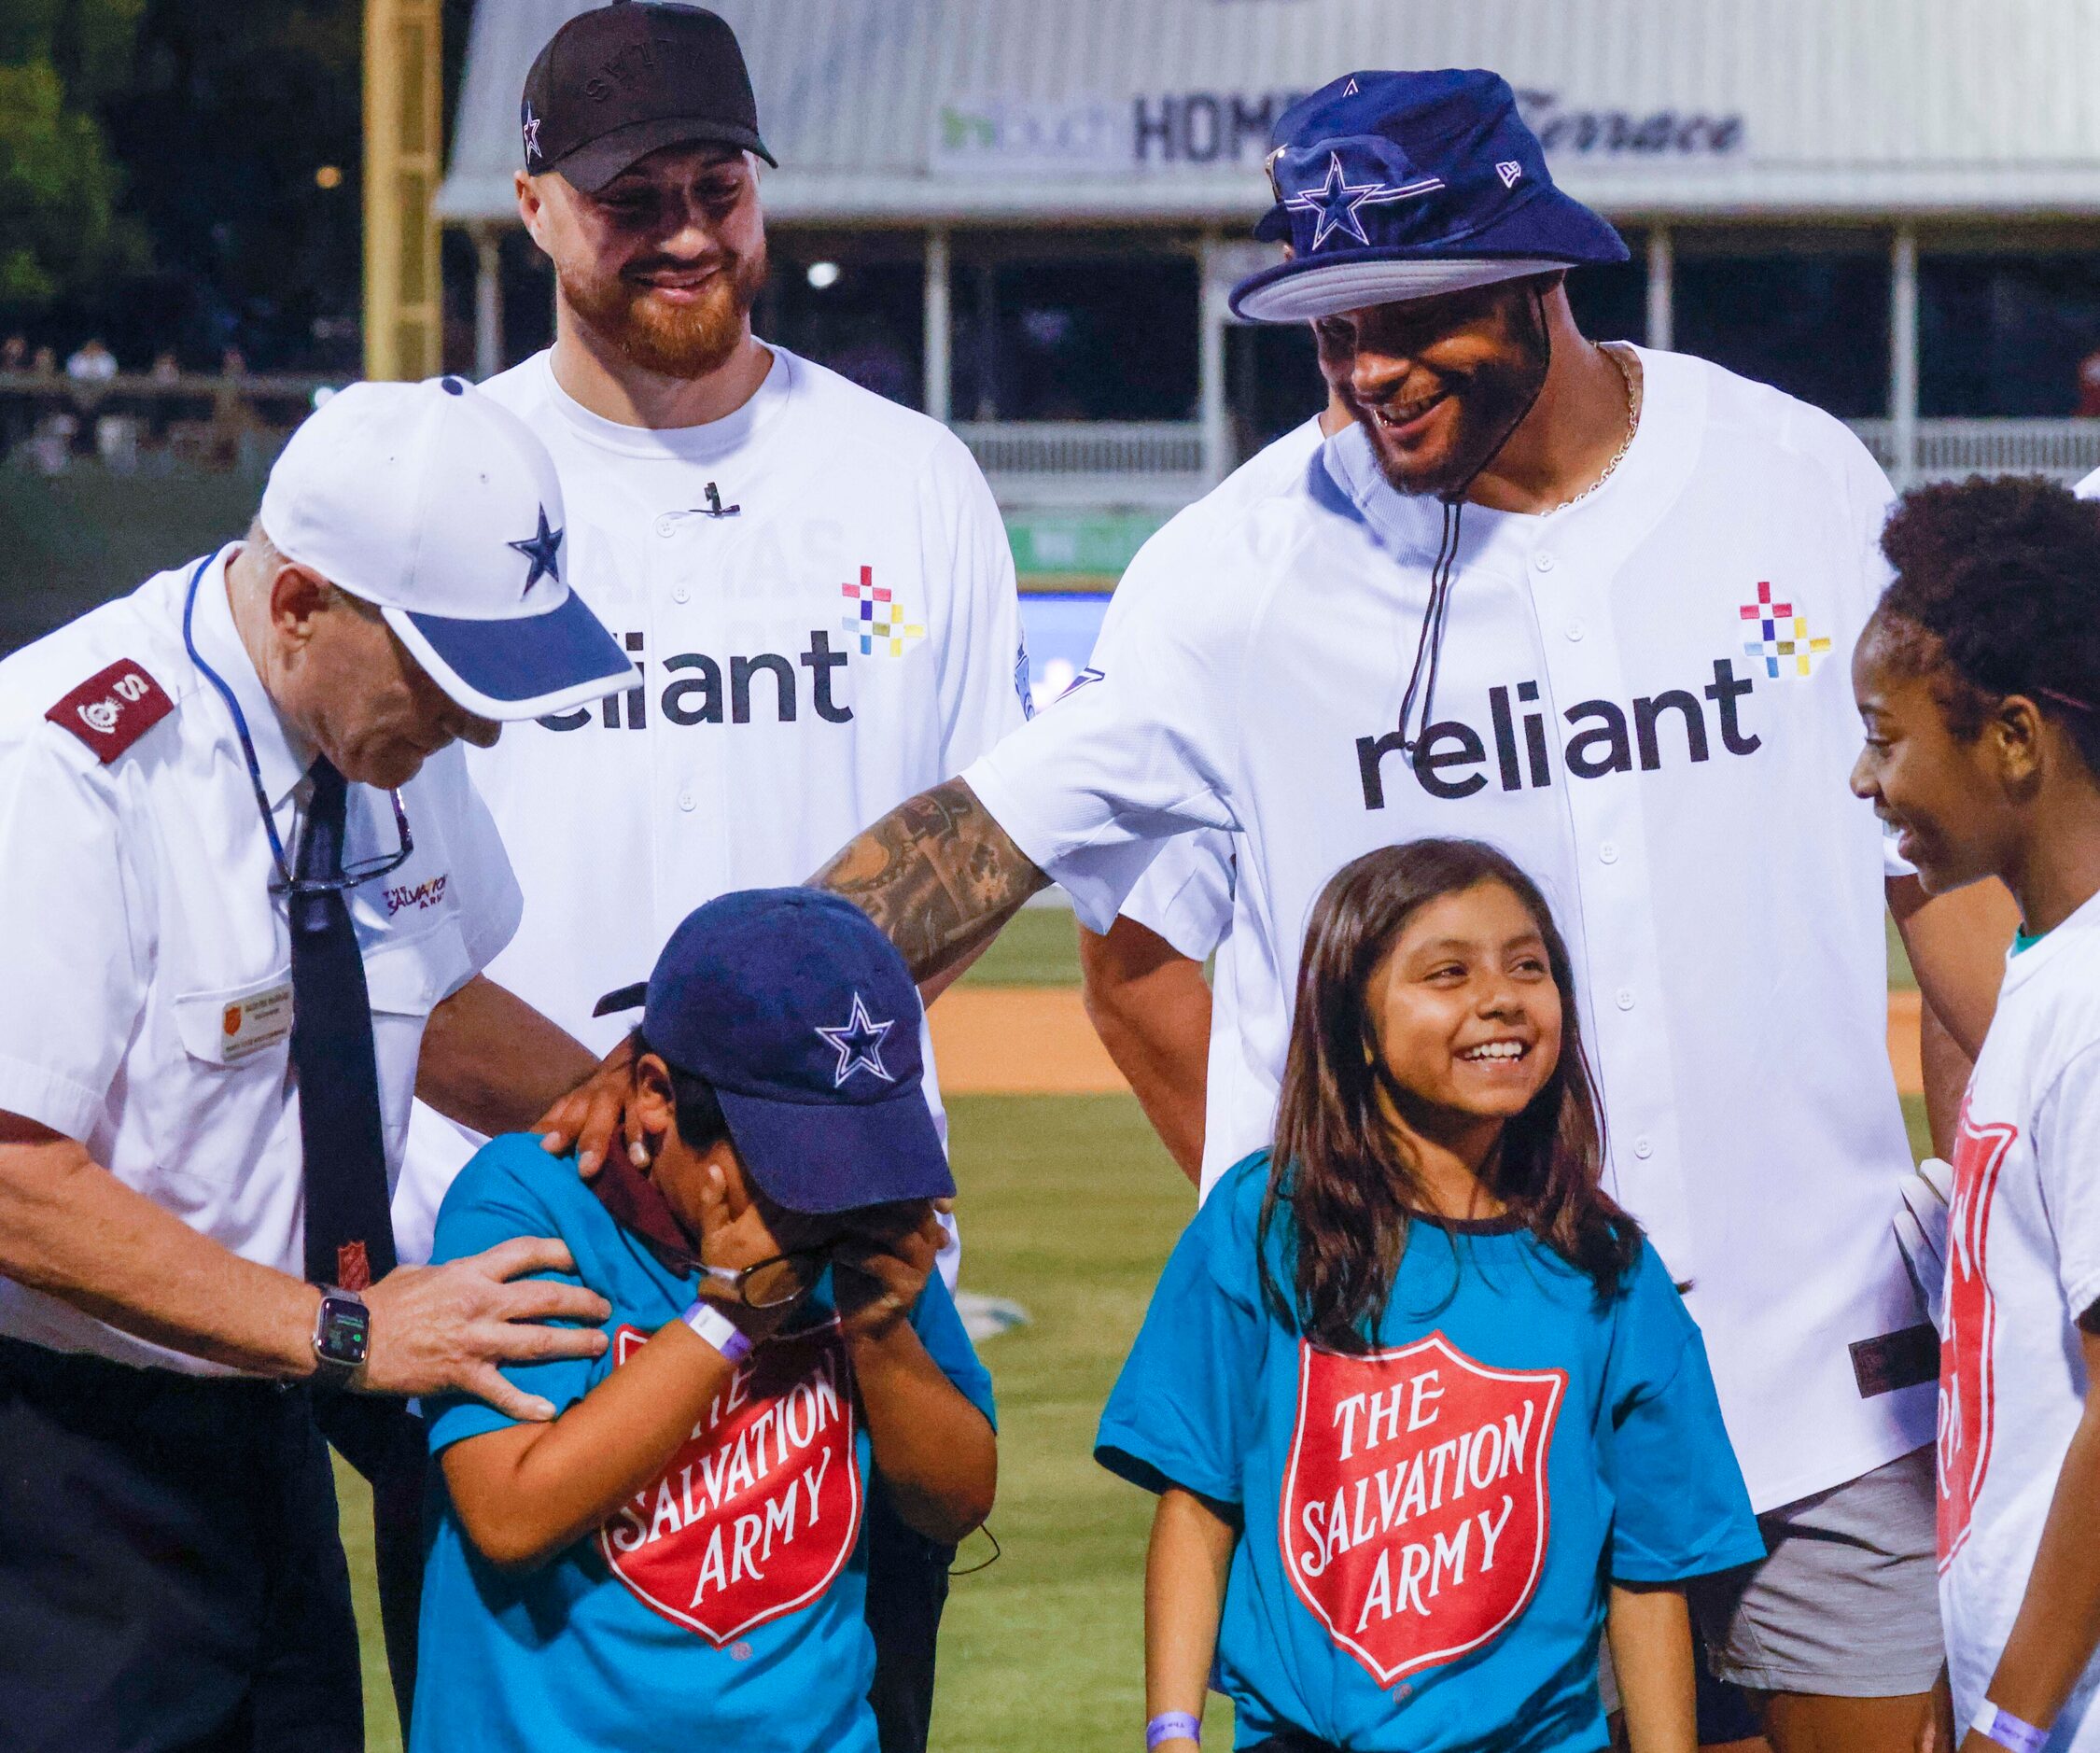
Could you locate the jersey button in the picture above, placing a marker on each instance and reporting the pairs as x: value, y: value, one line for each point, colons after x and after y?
x: 1576, y: 629
x: 664, y: 526
x: 1642, y: 1148
x: 681, y: 595
x: 1608, y: 853
x: 686, y: 801
x: 1626, y: 998
x: 1543, y: 560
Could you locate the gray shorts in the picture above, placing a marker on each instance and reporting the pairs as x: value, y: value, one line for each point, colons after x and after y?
x: 1846, y: 1603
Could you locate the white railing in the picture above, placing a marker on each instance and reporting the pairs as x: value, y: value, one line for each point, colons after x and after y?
x: 2068, y: 449
x: 1085, y: 448
x: 1161, y: 462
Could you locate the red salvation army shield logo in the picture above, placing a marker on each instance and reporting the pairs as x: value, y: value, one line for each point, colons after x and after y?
x: 761, y: 1505
x: 1415, y: 1505
x: 1967, y: 1391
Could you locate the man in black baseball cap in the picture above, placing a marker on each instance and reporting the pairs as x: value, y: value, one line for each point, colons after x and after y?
x: 641, y: 142
x: 616, y: 84
x: 673, y: 425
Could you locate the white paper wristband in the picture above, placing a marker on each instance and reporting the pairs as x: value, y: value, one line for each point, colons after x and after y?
x: 2006, y: 1731
x: 718, y: 1329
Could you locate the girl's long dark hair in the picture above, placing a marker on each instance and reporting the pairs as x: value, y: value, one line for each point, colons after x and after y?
x: 1352, y: 1185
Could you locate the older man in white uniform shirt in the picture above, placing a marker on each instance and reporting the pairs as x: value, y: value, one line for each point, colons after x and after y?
x: 1591, y: 605
x: 232, y: 957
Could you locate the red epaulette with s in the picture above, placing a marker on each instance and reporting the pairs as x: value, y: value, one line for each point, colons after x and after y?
x: 113, y: 708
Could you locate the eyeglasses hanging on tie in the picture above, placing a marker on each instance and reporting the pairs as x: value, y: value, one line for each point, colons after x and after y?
x: 362, y: 871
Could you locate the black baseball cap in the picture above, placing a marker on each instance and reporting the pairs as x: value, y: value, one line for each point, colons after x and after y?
x: 621, y: 81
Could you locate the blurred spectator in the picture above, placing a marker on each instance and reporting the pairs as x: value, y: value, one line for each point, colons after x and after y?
x: 116, y: 438
x: 50, y: 445
x: 232, y: 363
x: 166, y: 367
x: 92, y: 364
x: 2088, y: 386
x: 14, y: 352
x: 43, y: 363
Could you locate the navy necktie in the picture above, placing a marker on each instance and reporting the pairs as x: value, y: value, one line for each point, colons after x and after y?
x: 349, y: 1232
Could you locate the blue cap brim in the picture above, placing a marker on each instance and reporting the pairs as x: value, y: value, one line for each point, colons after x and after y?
x: 518, y: 668
x: 824, y: 1156
x: 1549, y: 231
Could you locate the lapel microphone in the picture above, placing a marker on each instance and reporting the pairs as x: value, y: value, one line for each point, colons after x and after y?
x: 714, y: 507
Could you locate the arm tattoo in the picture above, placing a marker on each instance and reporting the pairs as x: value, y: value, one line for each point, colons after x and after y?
x: 937, y: 874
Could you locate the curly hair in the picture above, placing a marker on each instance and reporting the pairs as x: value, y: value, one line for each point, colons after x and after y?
x: 2005, y: 575
x: 1350, y: 1186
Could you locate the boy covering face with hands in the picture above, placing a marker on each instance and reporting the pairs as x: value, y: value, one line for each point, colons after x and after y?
x: 678, y: 1556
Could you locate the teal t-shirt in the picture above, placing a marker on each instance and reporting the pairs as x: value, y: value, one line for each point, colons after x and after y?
x: 720, y: 1606
x: 1427, y: 1531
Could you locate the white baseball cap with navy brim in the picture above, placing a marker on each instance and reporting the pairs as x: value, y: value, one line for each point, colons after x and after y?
x: 443, y: 510
x: 1398, y: 185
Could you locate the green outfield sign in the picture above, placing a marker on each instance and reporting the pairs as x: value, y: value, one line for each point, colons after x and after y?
x: 1063, y: 543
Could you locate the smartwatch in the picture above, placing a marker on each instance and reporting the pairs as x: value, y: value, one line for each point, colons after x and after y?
x: 342, y: 1337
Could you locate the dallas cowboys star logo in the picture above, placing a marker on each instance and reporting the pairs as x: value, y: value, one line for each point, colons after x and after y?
x: 531, y: 133
x: 859, y: 1041
x: 544, y: 551
x: 1338, y: 202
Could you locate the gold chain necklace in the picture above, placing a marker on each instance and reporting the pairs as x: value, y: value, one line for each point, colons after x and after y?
x: 1633, y: 397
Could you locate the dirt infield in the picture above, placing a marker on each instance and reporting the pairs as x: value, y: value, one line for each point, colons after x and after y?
x: 1036, y: 1041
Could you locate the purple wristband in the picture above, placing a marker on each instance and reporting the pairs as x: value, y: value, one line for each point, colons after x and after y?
x: 1173, y: 1725
x: 718, y: 1329
x: 2008, y: 1731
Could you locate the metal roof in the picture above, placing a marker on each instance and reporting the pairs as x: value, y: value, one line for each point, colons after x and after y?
x: 906, y: 111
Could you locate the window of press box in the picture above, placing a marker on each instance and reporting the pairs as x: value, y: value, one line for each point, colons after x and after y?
x: 1813, y: 323
x: 1273, y: 382
x: 1611, y: 303
x: 1109, y: 337
x: 862, y: 317
x: 2008, y: 336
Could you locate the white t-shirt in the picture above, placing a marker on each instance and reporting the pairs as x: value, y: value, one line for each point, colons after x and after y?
x: 2023, y: 1264
x: 1644, y: 700
x: 1186, y: 894
x: 146, y: 965
x: 843, y: 636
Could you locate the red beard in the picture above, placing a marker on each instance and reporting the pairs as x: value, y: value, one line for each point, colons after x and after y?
x: 683, y: 342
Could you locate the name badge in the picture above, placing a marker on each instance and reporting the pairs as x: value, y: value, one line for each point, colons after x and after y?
x: 253, y: 1021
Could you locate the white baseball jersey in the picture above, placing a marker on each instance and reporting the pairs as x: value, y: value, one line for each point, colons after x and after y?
x: 1644, y: 700
x: 2022, y: 1265
x: 147, y: 966
x: 819, y: 594
x: 1186, y: 894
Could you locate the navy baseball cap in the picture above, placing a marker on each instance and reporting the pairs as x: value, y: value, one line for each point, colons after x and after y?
x: 803, y: 1018
x: 1393, y: 186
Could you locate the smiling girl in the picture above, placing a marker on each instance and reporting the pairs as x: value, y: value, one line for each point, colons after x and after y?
x: 1979, y: 681
x: 1422, y: 1408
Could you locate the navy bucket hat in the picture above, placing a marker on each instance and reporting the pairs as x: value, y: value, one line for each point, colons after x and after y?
x: 1393, y: 186
x: 803, y: 1018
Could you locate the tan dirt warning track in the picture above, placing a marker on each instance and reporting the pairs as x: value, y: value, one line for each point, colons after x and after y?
x: 1036, y: 1041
